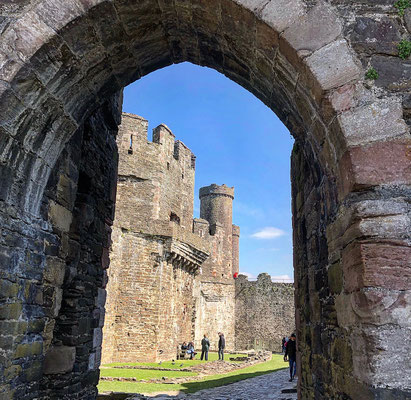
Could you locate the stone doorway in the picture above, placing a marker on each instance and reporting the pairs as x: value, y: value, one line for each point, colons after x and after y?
x: 63, y: 66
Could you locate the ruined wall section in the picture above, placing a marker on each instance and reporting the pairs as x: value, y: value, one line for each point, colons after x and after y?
x: 264, y: 313
x: 215, y: 312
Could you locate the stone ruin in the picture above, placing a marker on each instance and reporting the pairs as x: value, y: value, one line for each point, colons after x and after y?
x: 63, y: 64
x: 170, y: 277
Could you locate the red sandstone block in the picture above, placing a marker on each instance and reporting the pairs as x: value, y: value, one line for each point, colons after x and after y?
x: 375, y: 164
x: 376, y: 265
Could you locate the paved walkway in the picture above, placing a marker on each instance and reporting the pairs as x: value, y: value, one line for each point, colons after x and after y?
x: 264, y: 387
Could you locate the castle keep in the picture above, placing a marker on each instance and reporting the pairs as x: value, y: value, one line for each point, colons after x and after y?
x: 170, y: 277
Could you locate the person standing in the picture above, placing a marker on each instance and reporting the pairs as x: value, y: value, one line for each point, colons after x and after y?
x: 221, y: 346
x: 291, y: 352
x: 205, y: 345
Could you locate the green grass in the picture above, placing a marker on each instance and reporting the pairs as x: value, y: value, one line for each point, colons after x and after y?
x: 208, y: 382
x: 177, y: 365
x: 143, y: 373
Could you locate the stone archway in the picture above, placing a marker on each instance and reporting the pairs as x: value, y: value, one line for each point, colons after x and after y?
x: 62, y: 62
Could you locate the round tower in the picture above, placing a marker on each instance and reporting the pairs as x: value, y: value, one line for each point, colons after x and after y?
x: 217, y: 205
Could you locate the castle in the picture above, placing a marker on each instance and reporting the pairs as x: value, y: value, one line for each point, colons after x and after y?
x: 170, y: 277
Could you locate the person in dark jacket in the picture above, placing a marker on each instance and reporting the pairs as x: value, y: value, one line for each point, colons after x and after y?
x: 291, y: 353
x: 205, y: 345
x: 221, y: 346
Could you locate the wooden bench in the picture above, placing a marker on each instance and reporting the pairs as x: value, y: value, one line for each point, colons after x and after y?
x: 182, y: 354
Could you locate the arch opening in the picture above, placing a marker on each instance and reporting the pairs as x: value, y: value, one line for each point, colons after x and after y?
x: 64, y: 63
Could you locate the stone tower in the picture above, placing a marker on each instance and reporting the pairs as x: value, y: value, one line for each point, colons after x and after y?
x: 215, y: 309
x: 216, y: 207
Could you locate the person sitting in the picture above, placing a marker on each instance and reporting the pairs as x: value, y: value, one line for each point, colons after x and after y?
x: 190, y: 350
x: 184, y: 346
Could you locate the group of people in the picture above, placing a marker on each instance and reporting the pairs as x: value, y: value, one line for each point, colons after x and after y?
x: 189, y: 349
x: 205, y: 346
x: 289, y: 347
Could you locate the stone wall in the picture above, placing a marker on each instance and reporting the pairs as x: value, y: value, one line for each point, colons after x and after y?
x: 215, y: 312
x: 73, y: 282
x: 264, y: 313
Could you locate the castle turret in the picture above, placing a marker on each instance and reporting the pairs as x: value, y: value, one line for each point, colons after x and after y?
x: 217, y: 208
x: 217, y: 205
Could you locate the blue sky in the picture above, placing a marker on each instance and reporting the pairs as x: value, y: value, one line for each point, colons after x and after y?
x: 238, y: 141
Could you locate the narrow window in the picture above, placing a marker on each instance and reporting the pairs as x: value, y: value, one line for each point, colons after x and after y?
x: 168, y: 165
x: 130, y: 150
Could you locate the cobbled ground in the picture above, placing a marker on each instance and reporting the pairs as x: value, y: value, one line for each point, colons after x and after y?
x: 274, y: 386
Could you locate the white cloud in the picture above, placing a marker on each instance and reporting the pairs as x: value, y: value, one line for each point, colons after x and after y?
x: 248, y: 275
x: 282, y: 278
x: 268, y: 233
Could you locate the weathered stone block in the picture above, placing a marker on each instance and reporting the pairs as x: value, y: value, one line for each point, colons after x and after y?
x: 10, y: 311
x: 26, y: 35
x: 375, y: 164
x: 280, y: 14
x: 333, y: 65
x: 314, y: 30
x: 57, y: 14
x: 376, y: 265
x: 60, y: 216
x: 380, y: 120
x: 54, y: 271
x: 8, y: 289
x: 393, y: 72
x: 407, y: 19
x: 376, y: 35
x: 59, y: 360
x: 28, y: 349
x: 335, y: 278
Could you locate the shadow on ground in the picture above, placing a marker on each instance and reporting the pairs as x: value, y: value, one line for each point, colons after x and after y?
x: 190, y: 387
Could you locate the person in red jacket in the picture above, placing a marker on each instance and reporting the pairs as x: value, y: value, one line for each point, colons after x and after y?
x: 291, y: 353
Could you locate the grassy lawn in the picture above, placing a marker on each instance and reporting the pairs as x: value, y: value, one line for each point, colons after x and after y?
x: 178, y: 363
x: 143, y: 373
x: 208, y: 382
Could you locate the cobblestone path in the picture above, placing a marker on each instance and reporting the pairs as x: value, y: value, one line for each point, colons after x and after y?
x: 264, y: 387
